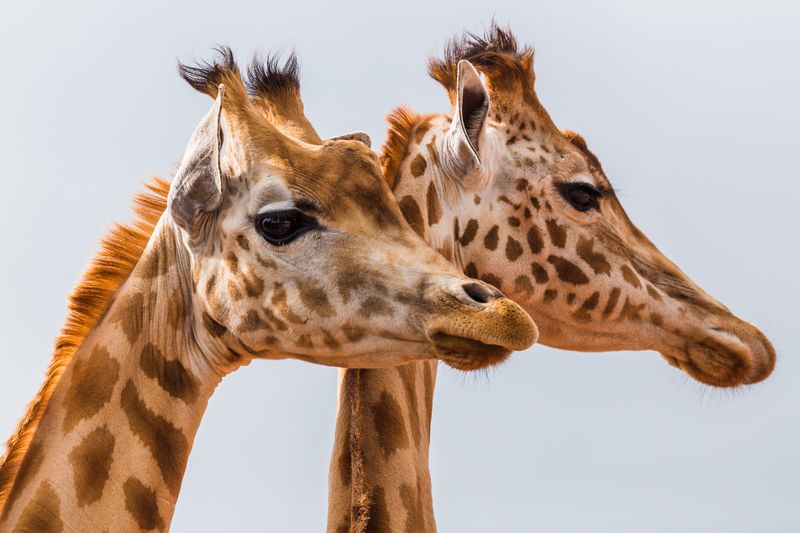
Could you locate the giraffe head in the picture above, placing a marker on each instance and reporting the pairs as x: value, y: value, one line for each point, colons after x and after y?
x: 522, y: 205
x: 298, y: 248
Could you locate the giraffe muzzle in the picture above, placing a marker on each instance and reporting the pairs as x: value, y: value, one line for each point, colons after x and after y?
x: 482, y: 330
x: 727, y: 355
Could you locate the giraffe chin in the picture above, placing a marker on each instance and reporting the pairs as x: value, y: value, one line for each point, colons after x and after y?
x: 726, y: 357
x: 466, y: 354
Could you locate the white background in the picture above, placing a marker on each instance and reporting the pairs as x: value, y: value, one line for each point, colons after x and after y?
x: 691, y: 106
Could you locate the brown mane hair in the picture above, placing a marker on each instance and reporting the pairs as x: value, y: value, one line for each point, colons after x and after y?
x: 119, y: 252
x: 402, y: 123
x: 496, y: 54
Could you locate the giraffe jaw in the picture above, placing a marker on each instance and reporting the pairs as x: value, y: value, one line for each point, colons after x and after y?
x: 462, y: 353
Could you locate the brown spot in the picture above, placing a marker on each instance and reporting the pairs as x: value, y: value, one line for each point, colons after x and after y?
x: 233, y: 263
x: 253, y: 285
x: 558, y: 233
x: 471, y: 270
x: 476, y: 199
x: 571, y: 298
x: 469, y: 232
x: 353, y: 333
x: 171, y: 375
x: 129, y: 313
x: 596, y: 261
x: 43, y: 512
x: 252, y: 322
x: 434, y: 207
x: 513, y: 249
x: 304, y: 341
x: 315, y: 298
x: 412, y: 497
x: 412, y: 214
x: 212, y: 326
x: 280, y: 301
x: 523, y: 285
x: 527, y: 212
x: 141, y: 503
x: 612, y: 301
x: 521, y: 184
x: 535, y: 202
x: 490, y: 241
x: 491, y: 279
x: 389, y: 425
x: 630, y: 276
x: 630, y: 311
x: 90, y: 386
x: 243, y: 242
x: 167, y: 444
x: 373, y: 306
x: 550, y: 295
x: 27, y: 472
x: 91, y: 463
x: 329, y: 340
x: 535, y: 240
x: 156, y: 262
x: 211, y: 284
x: 514, y: 222
x: 420, y: 131
x: 584, y: 311
x: 654, y: 294
x: 539, y: 273
x: 418, y: 166
x: 568, y: 271
x: 234, y: 290
x: 345, y: 462
x: 408, y: 377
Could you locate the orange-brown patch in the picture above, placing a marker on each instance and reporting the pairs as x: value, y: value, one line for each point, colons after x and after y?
x: 91, y: 464
x: 171, y: 375
x: 390, y: 428
x: 315, y: 298
x: 129, y: 313
x: 434, y: 207
x: 90, y: 386
x: 413, y: 215
x: 418, y: 166
x: 141, y: 503
x: 167, y: 444
x: 43, y: 512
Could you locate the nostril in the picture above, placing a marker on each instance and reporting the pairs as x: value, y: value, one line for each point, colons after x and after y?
x: 479, y: 292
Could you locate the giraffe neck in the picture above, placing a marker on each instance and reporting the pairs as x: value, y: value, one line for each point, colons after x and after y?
x: 379, y: 478
x: 111, y: 447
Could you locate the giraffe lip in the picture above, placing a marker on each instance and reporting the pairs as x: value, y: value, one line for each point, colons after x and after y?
x: 725, y: 357
x: 463, y: 353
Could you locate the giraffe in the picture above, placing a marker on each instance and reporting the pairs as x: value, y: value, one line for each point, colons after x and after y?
x: 512, y: 200
x: 273, y: 245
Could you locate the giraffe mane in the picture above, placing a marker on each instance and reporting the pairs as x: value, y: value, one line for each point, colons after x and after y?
x: 270, y: 79
x: 402, y: 122
x: 496, y: 53
x: 118, y: 253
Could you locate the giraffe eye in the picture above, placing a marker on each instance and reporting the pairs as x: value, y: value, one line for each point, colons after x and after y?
x: 282, y: 227
x: 580, y: 195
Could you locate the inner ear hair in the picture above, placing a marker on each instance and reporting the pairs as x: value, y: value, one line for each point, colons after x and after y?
x: 474, y: 107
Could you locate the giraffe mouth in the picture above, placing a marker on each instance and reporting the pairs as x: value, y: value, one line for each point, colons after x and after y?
x: 726, y: 357
x: 463, y: 353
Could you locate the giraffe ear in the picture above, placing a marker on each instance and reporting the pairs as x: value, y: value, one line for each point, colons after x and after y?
x: 468, y: 121
x: 197, y: 188
x: 359, y: 136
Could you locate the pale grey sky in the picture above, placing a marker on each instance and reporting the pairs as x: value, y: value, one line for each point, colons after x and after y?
x: 691, y: 106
